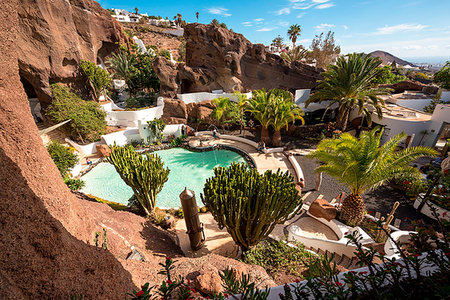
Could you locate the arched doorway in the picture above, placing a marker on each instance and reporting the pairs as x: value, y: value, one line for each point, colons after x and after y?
x: 35, y: 105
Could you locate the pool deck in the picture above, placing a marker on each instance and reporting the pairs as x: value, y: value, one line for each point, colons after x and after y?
x: 264, y: 161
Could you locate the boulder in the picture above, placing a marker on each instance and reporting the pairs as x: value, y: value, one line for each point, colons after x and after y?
x: 407, y: 85
x: 320, y: 208
x: 201, y: 111
x: 103, y: 149
x: 208, y: 281
x: 55, y: 35
x: 175, y: 112
x: 217, y: 58
x: 430, y: 89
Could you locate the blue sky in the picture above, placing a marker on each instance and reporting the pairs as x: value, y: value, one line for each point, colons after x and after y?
x: 406, y: 28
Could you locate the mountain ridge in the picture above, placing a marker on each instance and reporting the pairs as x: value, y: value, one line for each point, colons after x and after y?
x: 388, y: 58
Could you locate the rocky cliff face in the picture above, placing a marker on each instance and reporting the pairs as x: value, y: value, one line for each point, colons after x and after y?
x: 55, y: 35
x: 217, y: 58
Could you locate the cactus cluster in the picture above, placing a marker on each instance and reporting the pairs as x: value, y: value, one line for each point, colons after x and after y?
x: 145, y: 174
x: 249, y: 204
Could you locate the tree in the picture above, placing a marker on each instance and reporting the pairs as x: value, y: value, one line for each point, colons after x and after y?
x: 178, y: 19
x: 349, y: 84
x: 363, y: 165
x: 136, y: 10
x: 442, y: 77
x: 249, y: 204
x: 98, y: 77
x: 122, y: 63
x: 387, y: 77
x: 144, y: 173
x: 64, y: 157
x: 296, y: 54
x: 87, y: 118
x: 293, y: 33
x: 284, y: 111
x: 278, y: 42
x: 215, y: 22
x: 196, y: 14
x: 324, y: 51
x: 259, y: 107
x: 241, y: 104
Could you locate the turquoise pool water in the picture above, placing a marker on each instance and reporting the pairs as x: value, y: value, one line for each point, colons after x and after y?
x: 187, y: 169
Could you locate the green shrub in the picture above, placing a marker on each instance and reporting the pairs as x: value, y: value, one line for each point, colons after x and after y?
x: 74, y: 184
x: 249, y: 204
x: 64, y: 157
x: 141, y: 100
x: 99, y: 78
x: 164, y: 53
x: 442, y: 77
x: 275, y: 256
x: 178, y: 141
x: 87, y: 119
x: 156, y: 128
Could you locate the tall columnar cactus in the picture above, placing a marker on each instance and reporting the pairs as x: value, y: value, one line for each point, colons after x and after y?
x: 249, y: 204
x: 145, y: 174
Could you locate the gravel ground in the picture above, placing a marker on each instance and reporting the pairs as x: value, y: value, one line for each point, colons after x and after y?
x: 380, y: 200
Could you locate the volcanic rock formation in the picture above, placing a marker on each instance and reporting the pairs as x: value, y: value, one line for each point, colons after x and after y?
x: 411, y: 85
x: 217, y: 58
x: 55, y: 35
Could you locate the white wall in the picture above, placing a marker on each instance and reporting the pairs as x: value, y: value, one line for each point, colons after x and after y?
x: 440, y: 115
x: 120, y: 117
x: 121, y: 138
x: 301, y: 96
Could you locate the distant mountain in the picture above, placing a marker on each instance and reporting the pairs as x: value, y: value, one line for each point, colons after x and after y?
x: 388, y: 58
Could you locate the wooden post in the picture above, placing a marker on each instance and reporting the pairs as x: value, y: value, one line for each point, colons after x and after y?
x: 193, y: 225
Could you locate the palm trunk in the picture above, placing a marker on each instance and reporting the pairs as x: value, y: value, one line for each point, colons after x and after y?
x: 342, y: 119
x: 352, y: 210
x: 276, y: 140
x: 265, y: 135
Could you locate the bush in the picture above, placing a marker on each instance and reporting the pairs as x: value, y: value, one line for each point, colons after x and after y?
x: 278, y: 256
x: 64, y: 157
x: 99, y: 78
x: 74, y: 184
x: 87, y: 119
x: 141, y: 100
x: 442, y: 77
x: 164, y: 53
x: 178, y: 141
x: 249, y: 204
x: 156, y: 128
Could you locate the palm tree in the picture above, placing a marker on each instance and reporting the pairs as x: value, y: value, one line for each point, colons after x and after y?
x: 259, y: 106
x: 283, y: 112
x: 122, y: 64
x: 196, y: 14
x: 222, y: 105
x: 178, y: 19
x: 349, y: 84
x: 136, y: 10
x: 241, y: 104
x: 363, y: 165
x: 293, y: 32
x: 278, y: 42
x: 296, y: 54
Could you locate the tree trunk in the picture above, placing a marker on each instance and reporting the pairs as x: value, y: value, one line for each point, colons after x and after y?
x: 352, y: 210
x: 276, y: 140
x: 342, y: 119
x: 265, y: 135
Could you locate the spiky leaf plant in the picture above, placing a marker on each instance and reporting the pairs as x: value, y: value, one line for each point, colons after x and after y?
x: 363, y: 165
x: 249, y: 204
x: 145, y: 174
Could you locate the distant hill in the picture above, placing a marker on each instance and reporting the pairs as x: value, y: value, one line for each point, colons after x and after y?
x: 388, y: 58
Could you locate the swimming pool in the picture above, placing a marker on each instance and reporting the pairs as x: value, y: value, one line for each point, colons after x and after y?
x: 187, y: 169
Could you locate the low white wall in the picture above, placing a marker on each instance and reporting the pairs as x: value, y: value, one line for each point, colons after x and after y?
x: 239, y: 139
x: 122, y: 138
x: 427, y: 209
x: 75, y: 171
x: 202, y: 96
x: 84, y: 149
x: 298, y: 170
x: 130, y: 118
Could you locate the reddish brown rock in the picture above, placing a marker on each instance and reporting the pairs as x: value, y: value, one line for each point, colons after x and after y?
x: 104, y: 150
x: 201, y: 111
x: 411, y: 85
x: 217, y: 58
x: 167, y: 74
x: 208, y: 281
x: 55, y: 35
x: 175, y: 111
x: 320, y: 208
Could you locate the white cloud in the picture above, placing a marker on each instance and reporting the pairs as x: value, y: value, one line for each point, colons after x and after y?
x: 300, y: 15
x: 219, y: 11
x: 247, y: 24
x: 283, y: 11
x: 283, y: 23
x: 258, y: 20
x: 265, y: 29
x: 296, y: 1
x: 302, y: 6
x: 326, y: 5
x: 399, y: 28
x: 320, y: 1
x: 345, y: 27
x: 324, y: 27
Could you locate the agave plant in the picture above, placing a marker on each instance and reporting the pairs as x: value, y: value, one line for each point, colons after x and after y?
x: 349, y: 84
x: 122, y: 63
x: 363, y: 165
